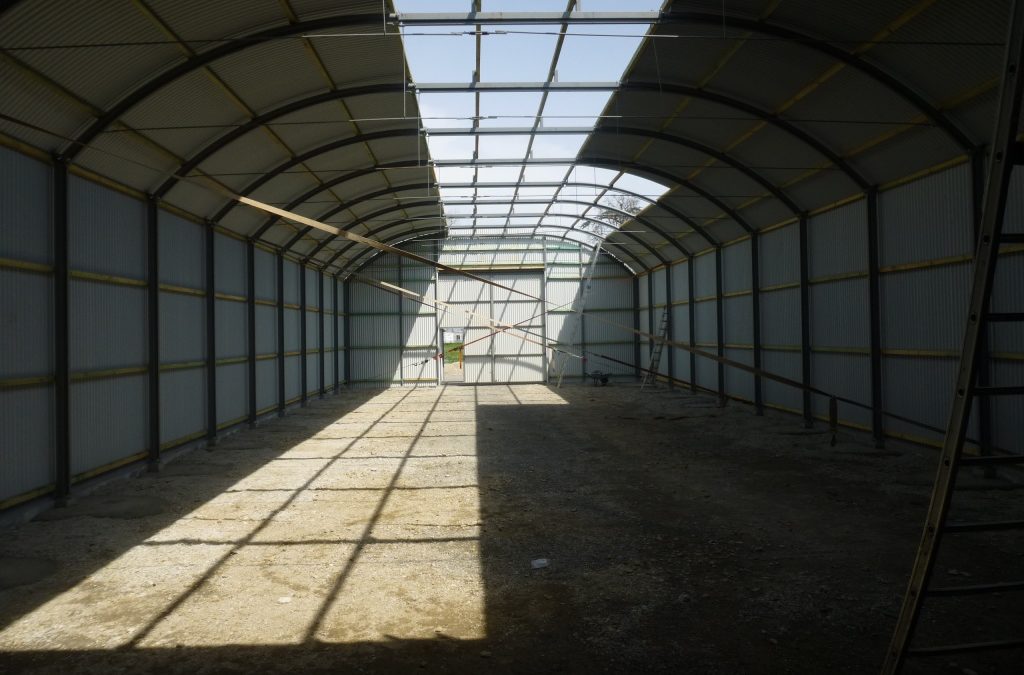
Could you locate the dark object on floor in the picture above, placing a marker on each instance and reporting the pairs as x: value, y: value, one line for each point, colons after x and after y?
x: 599, y: 378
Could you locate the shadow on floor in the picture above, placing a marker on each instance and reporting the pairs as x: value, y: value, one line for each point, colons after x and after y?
x: 611, y: 534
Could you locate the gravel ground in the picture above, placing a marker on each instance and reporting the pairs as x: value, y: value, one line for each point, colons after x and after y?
x: 503, y: 529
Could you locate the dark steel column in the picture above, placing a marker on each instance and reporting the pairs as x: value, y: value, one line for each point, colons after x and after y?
x: 250, y: 302
x: 651, y: 309
x: 669, y: 330
x: 211, y: 339
x: 153, y: 330
x: 720, y: 324
x: 302, y: 332
x: 875, y: 308
x: 347, y: 333
x: 61, y: 372
x: 280, y: 335
x: 691, y: 311
x: 334, y: 333
x: 755, y: 301
x: 805, y: 323
x: 320, y: 326
x: 636, y: 325
x: 983, y: 370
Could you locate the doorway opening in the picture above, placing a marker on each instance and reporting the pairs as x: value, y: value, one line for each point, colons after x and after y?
x: 454, y: 354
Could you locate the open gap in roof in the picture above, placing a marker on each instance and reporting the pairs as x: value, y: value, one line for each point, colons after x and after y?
x: 519, y: 54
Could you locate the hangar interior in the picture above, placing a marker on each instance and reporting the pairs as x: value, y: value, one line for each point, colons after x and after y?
x: 740, y: 288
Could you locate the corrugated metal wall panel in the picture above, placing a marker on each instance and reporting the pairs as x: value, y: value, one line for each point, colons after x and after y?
x: 25, y: 187
x: 106, y: 230
x: 926, y: 219
x: 705, y: 320
x: 737, y: 382
x: 644, y: 299
x: 704, y: 272
x: 312, y: 374
x: 563, y: 292
x: 739, y: 320
x: 610, y: 293
x: 519, y: 369
x: 108, y: 420
x: 419, y: 364
x: 182, y: 403
x: 181, y: 247
x: 920, y: 389
x: 230, y: 264
x: 232, y: 392
x: 680, y: 283
x: 107, y: 326
x: 621, y: 352
x: 840, y: 314
x: 266, y: 329
x: 780, y: 317
x: 374, y: 330
x: 230, y: 329
x: 1008, y: 432
x: 604, y: 327
x: 291, y: 283
x: 707, y: 373
x: 312, y: 330
x: 26, y: 312
x: 266, y: 383
x: 292, y: 326
x: 736, y: 267
x: 266, y: 275
x: 837, y: 241
x: 182, y: 328
x: 292, y: 377
x: 419, y: 331
x: 847, y: 375
x: 925, y: 309
x: 780, y: 256
x: 786, y: 364
x: 377, y: 365
x: 514, y: 342
x: 312, y: 288
x: 658, y: 279
x: 26, y: 440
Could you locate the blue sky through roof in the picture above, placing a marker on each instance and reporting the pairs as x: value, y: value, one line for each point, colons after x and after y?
x: 521, y: 54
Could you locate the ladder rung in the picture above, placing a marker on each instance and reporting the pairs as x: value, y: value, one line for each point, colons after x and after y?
x: 990, y: 526
x: 977, y: 588
x: 992, y: 460
x: 999, y: 391
x: 967, y: 647
x: 1011, y: 238
x: 1006, y: 316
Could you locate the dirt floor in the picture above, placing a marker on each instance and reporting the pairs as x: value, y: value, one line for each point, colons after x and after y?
x: 496, y: 529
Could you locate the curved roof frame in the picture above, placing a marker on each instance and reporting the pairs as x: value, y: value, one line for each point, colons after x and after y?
x: 583, y: 160
x: 422, y: 233
x: 240, y: 43
x: 419, y: 186
x: 651, y: 249
x: 442, y: 230
x: 300, y: 104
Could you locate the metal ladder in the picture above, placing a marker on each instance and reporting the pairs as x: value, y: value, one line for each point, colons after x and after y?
x: 922, y: 591
x: 578, y: 307
x: 651, y: 376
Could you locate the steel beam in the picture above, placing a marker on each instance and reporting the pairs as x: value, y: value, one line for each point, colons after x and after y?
x: 334, y: 333
x: 250, y: 305
x: 320, y: 328
x: 691, y: 311
x: 755, y: 301
x: 61, y: 360
x: 347, y: 331
x: 521, y: 18
x: 669, y: 331
x: 211, y: 337
x: 875, y: 310
x: 650, y: 321
x: 281, y: 398
x: 805, y: 323
x: 483, y: 87
x: 720, y: 324
x: 636, y: 326
x: 153, y: 332
x: 302, y: 332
